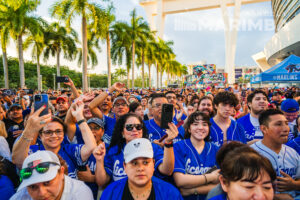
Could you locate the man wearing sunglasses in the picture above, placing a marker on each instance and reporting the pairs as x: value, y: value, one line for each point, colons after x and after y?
x: 42, y: 177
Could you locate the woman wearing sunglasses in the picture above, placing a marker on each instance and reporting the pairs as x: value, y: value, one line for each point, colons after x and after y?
x: 194, y: 156
x: 51, y: 131
x: 110, y: 164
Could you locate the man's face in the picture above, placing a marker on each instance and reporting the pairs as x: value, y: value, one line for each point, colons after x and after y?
x: 120, y: 108
x: 277, y: 129
x: 259, y: 103
x: 206, y: 106
x: 171, y: 97
x: 52, y: 135
x: 139, y: 171
x: 53, y: 102
x: 97, y: 131
x: 291, y: 116
x: 157, y: 107
x: 50, y: 190
x: 144, y: 102
x: 224, y: 110
x: 62, y: 106
x: 16, y: 113
x: 106, y: 104
x: 277, y: 97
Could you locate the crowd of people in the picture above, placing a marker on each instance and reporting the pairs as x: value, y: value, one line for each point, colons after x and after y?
x: 233, y: 143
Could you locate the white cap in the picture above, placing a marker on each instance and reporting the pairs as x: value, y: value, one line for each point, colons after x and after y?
x: 36, y: 158
x: 138, y: 148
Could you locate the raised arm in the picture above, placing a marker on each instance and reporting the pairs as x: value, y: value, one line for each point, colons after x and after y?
x: 102, y: 178
x: 87, y: 135
x: 73, y: 88
x: 21, y: 148
x: 70, y: 121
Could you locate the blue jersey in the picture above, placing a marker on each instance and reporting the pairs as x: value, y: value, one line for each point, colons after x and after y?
x: 235, y: 132
x: 189, y: 161
x: 288, y: 160
x: 219, y: 197
x: 108, y: 128
x: 71, y: 153
x: 7, y: 188
x: 155, y: 132
x: 295, y: 144
x: 162, y: 190
x: 113, y: 162
x: 251, y: 132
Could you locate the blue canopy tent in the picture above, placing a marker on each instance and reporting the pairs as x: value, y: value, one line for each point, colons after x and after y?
x: 286, y: 71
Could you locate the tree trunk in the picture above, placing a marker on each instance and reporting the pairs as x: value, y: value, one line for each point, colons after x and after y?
x: 149, y: 67
x: 132, y: 67
x: 157, y: 76
x: 21, y: 61
x: 128, y: 71
x: 108, y: 61
x: 5, y: 68
x: 143, y: 66
x: 38, y: 72
x: 84, y: 55
x: 58, y: 66
x: 161, y: 75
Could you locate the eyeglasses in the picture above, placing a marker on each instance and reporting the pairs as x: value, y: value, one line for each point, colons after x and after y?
x: 121, y: 104
x: 158, y: 105
x: 97, y: 128
x: 40, y: 168
x: 129, y: 127
x: 49, y: 133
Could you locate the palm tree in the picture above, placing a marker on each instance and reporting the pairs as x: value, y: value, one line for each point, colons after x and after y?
x: 57, y: 39
x: 67, y: 10
x: 150, y: 57
x: 16, y: 16
x: 120, y: 72
x: 138, y: 30
x: 4, y: 38
x: 37, y: 41
x: 121, y: 45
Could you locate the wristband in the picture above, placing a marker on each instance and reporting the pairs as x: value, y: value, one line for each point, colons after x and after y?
x: 168, y: 145
x: 81, y: 121
x: 26, y: 138
x: 205, y: 179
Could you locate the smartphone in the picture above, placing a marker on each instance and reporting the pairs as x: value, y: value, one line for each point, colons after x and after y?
x: 62, y: 79
x: 82, y: 168
x: 243, y: 93
x: 28, y: 91
x: 39, y: 101
x: 166, y: 115
x: 8, y: 92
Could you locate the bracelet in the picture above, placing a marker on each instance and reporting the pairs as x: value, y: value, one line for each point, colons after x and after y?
x: 195, y: 192
x: 168, y: 145
x: 81, y: 121
x: 26, y: 138
x: 205, y: 179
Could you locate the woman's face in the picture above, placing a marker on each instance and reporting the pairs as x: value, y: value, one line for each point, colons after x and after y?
x: 134, y: 133
x: 260, y: 189
x: 52, y: 135
x: 199, y: 129
x: 139, y: 111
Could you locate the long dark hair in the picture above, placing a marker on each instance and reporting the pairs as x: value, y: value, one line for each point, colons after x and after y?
x: 195, y: 117
x: 117, y: 137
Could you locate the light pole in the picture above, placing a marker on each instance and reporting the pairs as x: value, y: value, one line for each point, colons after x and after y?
x: 53, y: 81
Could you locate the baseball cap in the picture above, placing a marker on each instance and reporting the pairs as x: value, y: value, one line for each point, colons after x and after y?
x: 138, y: 148
x: 97, y: 121
x: 33, y: 160
x: 120, y: 98
x: 14, y: 105
x: 290, y: 106
x: 61, y: 98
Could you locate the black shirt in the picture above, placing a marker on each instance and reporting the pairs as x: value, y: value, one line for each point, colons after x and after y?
x: 12, y: 126
x: 127, y: 195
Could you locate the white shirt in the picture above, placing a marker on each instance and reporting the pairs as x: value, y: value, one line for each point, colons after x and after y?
x: 254, y: 121
x: 4, y: 148
x: 73, y: 190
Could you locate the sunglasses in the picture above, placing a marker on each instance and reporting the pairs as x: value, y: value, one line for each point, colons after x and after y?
x: 40, y: 168
x: 129, y: 127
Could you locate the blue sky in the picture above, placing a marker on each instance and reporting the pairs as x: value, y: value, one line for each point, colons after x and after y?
x: 192, y: 42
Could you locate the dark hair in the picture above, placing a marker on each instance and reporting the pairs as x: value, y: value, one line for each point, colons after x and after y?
x: 58, y: 120
x: 265, y: 116
x: 155, y: 96
x: 252, y: 95
x: 195, y: 117
x: 117, y: 137
x: 226, y: 98
x: 8, y: 169
x: 170, y: 92
x: 133, y: 106
x: 241, y: 163
x: 194, y: 98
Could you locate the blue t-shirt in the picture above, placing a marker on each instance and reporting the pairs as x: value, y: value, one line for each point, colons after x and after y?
x: 113, y: 162
x: 155, y: 132
x: 189, y: 161
x: 295, y: 144
x: 250, y: 130
x: 71, y: 153
x: 235, y: 132
x: 7, y: 189
x: 108, y: 128
x: 162, y: 190
x: 219, y: 197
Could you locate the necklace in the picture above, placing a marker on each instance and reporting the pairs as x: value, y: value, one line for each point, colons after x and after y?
x: 143, y: 195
